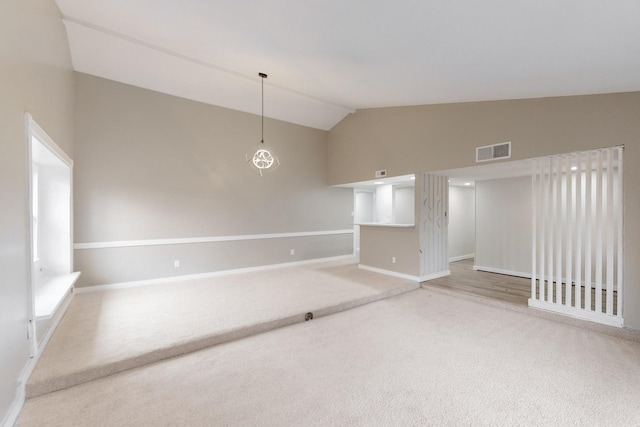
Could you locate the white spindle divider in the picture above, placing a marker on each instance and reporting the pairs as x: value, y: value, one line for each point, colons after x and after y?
x: 534, y: 229
x: 557, y: 219
x: 610, y: 219
x: 541, y: 229
x: 598, y: 231
x: 568, y: 226
x: 579, y: 225
x: 587, y: 234
x: 550, y: 201
x: 577, y: 244
x: 619, y: 229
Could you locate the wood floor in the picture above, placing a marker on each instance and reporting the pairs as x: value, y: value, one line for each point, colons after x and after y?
x: 463, y: 278
x: 511, y: 289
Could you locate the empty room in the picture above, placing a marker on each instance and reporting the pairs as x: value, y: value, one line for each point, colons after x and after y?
x: 244, y: 213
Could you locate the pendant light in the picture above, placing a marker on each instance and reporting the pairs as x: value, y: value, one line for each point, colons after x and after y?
x: 262, y: 158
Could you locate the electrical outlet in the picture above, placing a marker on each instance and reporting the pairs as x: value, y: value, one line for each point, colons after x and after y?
x: 292, y: 252
x: 393, y: 260
x: 176, y: 263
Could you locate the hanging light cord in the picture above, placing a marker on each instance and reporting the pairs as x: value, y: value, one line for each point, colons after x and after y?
x: 264, y: 76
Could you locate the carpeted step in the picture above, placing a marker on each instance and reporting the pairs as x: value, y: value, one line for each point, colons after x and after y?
x: 45, y: 381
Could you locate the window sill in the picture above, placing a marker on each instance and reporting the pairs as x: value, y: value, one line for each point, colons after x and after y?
x: 51, y: 293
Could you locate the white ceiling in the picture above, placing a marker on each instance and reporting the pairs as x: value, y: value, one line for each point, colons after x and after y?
x: 328, y: 58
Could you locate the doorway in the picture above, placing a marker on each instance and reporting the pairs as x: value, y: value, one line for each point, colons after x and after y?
x: 557, y: 222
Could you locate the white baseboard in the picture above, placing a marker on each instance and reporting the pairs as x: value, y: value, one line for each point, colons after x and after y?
x: 501, y: 271
x: 14, y: 411
x: 436, y: 275
x: 389, y: 273
x: 461, y: 257
x: 162, y: 280
x: 418, y: 279
x: 592, y: 316
x: 21, y: 392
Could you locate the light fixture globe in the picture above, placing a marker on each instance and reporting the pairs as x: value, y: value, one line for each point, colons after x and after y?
x: 262, y: 158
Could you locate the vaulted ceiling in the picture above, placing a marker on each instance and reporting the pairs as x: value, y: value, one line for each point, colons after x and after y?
x: 328, y: 58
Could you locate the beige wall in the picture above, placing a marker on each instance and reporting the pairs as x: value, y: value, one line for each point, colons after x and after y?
x: 35, y: 77
x: 401, y: 243
x: 153, y: 166
x: 437, y: 137
x: 126, y: 264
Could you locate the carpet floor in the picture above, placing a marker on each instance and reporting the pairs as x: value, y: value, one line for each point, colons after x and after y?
x: 110, y: 331
x: 425, y: 357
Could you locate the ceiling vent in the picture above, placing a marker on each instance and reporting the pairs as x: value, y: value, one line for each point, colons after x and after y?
x: 493, y: 152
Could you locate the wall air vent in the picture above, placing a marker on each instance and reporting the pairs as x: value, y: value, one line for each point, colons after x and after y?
x: 493, y: 152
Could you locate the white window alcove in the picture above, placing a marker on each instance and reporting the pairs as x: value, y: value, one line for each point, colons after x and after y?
x: 50, y: 203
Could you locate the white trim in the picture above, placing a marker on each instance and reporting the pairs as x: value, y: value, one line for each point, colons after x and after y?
x: 592, y: 316
x: 54, y: 324
x: 501, y: 271
x: 461, y: 257
x: 14, y: 410
x: 172, y: 279
x: 389, y: 273
x: 188, y: 240
x: 28, y: 131
x: 21, y: 388
x: 34, y: 131
x: 58, y: 289
x: 435, y: 275
x: 44, y: 139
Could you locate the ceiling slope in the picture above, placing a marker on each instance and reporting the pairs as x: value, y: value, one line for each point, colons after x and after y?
x: 326, y: 59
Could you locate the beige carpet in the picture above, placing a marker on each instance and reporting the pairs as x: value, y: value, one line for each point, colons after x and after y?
x: 111, y: 331
x: 417, y: 359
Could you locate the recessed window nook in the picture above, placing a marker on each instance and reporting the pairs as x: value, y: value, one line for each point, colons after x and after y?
x: 50, y: 173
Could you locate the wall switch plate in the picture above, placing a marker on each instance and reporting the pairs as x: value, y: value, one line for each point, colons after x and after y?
x: 293, y: 252
x: 176, y: 263
x: 393, y: 260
